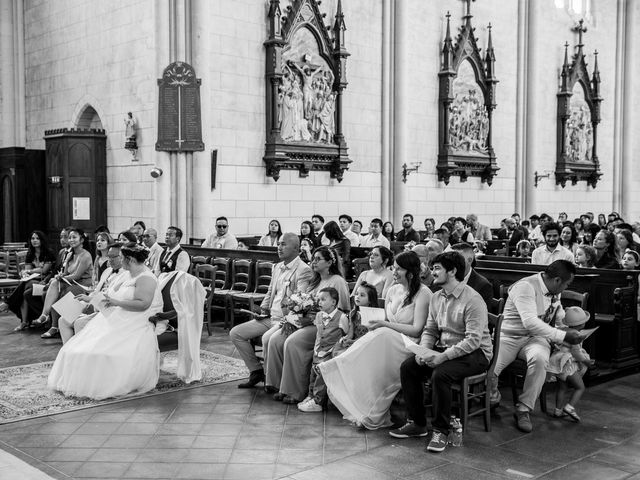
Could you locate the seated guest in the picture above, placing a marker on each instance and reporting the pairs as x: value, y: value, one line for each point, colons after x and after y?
x: 510, y: 232
x: 150, y: 241
x: 472, y: 278
x: 429, y: 227
x: 569, y: 237
x: 317, y: 221
x: 407, y: 234
x: 174, y: 257
x: 39, y: 261
x: 357, y: 228
x: 109, y: 282
x: 585, y: 256
x: 536, y: 236
x: 288, y: 357
x: 590, y: 233
x: 290, y: 275
x: 127, y: 236
x: 457, y: 333
x: 339, y: 244
x: 532, y: 314
x: 380, y: 277
x: 306, y: 231
x: 523, y: 249
x: 461, y: 232
x: 375, y: 236
x: 578, y: 226
x: 331, y: 325
x: 138, y: 229
x: 222, y: 238
x: 306, y: 250
x: 117, y: 352
x: 100, y: 264
x: 481, y: 233
x: 551, y: 250
x: 624, y: 242
x: 442, y: 235
x: 388, y: 232
x: 77, y: 273
x: 426, y: 253
x: 605, y: 245
x: 272, y: 237
x: 345, y: 225
x: 363, y: 381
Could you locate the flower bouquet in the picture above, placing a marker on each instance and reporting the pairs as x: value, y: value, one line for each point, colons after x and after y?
x: 296, y: 307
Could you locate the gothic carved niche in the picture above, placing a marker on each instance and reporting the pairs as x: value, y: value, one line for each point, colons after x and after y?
x: 305, y: 79
x: 578, y: 117
x: 466, y: 104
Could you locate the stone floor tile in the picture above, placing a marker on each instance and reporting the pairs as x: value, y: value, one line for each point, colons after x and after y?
x: 309, y: 442
x: 102, y: 469
x: 91, y: 428
x: 221, y: 429
x: 300, y: 457
x: 244, y: 471
x: 208, y: 455
x: 586, y: 470
x: 137, y: 428
x: 198, y: 418
x: 217, y: 418
x: 143, y: 417
x: 37, y: 440
x: 115, y: 455
x: 157, y: 454
x: 398, y: 461
x: 151, y: 470
x: 342, y: 469
x: 70, y: 454
x: 453, y: 471
x: 67, y: 468
x: 174, y: 441
x: 259, y: 442
x: 345, y: 443
x: 179, y: 429
x: 253, y: 456
x: 624, y: 457
x: 127, y: 441
x: 216, y: 441
x: 111, y: 417
x: 203, y: 471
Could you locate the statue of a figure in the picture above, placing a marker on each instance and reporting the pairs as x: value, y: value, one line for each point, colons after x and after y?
x: 130, y: 132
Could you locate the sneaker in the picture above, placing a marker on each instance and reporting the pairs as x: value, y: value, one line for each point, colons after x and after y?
x: 310, y: 407
x: 523, y: 421
x: 409, y: 429
x: 571, y: 411
x: 438, y: 442
x: 558, y: 413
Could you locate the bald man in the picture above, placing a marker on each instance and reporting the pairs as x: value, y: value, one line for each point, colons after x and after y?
x: 150, y: 240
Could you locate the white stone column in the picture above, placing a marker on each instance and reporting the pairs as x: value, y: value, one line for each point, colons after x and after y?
x: 401, y: 66
x: 387, y: 107
x: 619, y: 107
x: 12, y: 101
x: 531, y: 117
x: 522, y: 84
x: 628, y: 198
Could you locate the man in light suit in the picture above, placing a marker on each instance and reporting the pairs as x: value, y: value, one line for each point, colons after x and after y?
x: 288, y: 276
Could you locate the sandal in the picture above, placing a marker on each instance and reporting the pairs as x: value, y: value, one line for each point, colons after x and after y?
x: 51, y: 333
x: 41, y: 320
x: 21, y: 327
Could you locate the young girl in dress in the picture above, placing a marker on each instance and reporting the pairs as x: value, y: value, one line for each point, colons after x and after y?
x: 568, y: 364
x: 365, y: 295
x: 631, y: 261
x: 332, y: 325
x: 306, y: 247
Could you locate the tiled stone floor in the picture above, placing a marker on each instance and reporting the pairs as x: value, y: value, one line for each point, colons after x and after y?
x: 223, y: 432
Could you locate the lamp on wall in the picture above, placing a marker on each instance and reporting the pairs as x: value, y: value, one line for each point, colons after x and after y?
x: 156, y: 172
x: 406, y: 171
x: 537, y: 176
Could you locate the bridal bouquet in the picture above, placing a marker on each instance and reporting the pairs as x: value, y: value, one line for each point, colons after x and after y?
x: 296, y: 307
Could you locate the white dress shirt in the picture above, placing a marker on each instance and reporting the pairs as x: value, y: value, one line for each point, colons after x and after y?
x: 228, y: 240
x: 542, y: 255
x: 370, y: 241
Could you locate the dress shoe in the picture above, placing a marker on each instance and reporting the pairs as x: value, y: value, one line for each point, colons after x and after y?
x: 255, y: 378
x: 51, y: 333
x: 523, y: 421
x: 270, y: 390
x: 278, y: 397
x: 290, y: 400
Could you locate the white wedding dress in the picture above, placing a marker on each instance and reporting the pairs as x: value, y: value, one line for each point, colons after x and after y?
x: 115, y: 354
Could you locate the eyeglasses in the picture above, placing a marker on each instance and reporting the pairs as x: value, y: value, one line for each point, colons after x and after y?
x: 222, y: 226
x: 145, y: 236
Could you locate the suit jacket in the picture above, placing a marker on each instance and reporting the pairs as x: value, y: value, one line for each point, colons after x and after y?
x: 483, y: 286
x: 296, y: 277
x: 515, y: 237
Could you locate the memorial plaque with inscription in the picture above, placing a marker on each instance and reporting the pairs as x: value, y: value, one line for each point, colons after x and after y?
x: 179, y: 119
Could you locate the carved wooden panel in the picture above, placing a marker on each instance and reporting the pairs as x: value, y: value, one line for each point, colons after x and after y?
x: 305, y: 79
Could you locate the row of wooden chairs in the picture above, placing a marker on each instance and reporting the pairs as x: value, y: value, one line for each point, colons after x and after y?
x: 11, y: 263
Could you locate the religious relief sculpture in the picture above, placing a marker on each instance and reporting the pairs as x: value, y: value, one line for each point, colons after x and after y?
x: 578, y: 117
x: 466, y: 104
x: 305, y: 80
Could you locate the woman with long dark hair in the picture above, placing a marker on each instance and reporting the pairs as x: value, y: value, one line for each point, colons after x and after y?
x: 77, y: 273
x: 364, y: 380
x: 39, y: 261
x: 605, y: 244
x: 569, y: 237
x: 288, y: 359
x: 388, y: 231
x: 103, y: 240
x: 272, y: 237
x: 306, y: 231
x: 339, y: 243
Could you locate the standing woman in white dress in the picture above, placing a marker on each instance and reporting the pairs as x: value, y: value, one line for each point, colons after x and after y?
x: 364, y: 380
x: 117, y: 352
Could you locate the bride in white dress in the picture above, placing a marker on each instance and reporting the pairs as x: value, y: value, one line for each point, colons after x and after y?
x: 363, y: 381
x: 117, y: 352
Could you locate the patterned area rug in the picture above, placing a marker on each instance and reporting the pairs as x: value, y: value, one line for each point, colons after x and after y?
x: 24, y: 393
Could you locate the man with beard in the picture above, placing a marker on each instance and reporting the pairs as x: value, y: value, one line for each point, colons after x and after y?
x: 551, y: 250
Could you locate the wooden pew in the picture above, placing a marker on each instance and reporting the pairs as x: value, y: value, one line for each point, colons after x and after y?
x: 229, y: 253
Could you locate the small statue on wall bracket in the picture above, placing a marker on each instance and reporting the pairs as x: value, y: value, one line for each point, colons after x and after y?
x: 130, y: 134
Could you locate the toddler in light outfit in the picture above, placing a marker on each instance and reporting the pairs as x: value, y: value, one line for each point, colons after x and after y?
x: 568, y: 364
x: 365, y: 295
x: 332, y: 324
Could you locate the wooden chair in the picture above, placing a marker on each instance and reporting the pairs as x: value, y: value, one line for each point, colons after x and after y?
x: 207, y: 275
x: 240, y: 282
x: 222, y: 281
x: 20, y: 260
x: 479, y: 386
x: 4, y: 264
x: 195, y: 261
x: 248, y: 300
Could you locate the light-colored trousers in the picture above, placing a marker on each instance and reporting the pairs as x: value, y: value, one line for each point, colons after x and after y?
x: 68, y: 330
x: 241, y: 336
x: 535, y: 351
x: 288, y: 361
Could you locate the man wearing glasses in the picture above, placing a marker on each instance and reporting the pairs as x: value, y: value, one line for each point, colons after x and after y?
x: 150, y: 240
x: 221, y: 238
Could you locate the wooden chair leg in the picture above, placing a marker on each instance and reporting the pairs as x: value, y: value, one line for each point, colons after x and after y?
x: 487, y: 406
x: 229, y: 314
x: 543, y: 398
x: 464, y: 404
x: 514, y: 389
